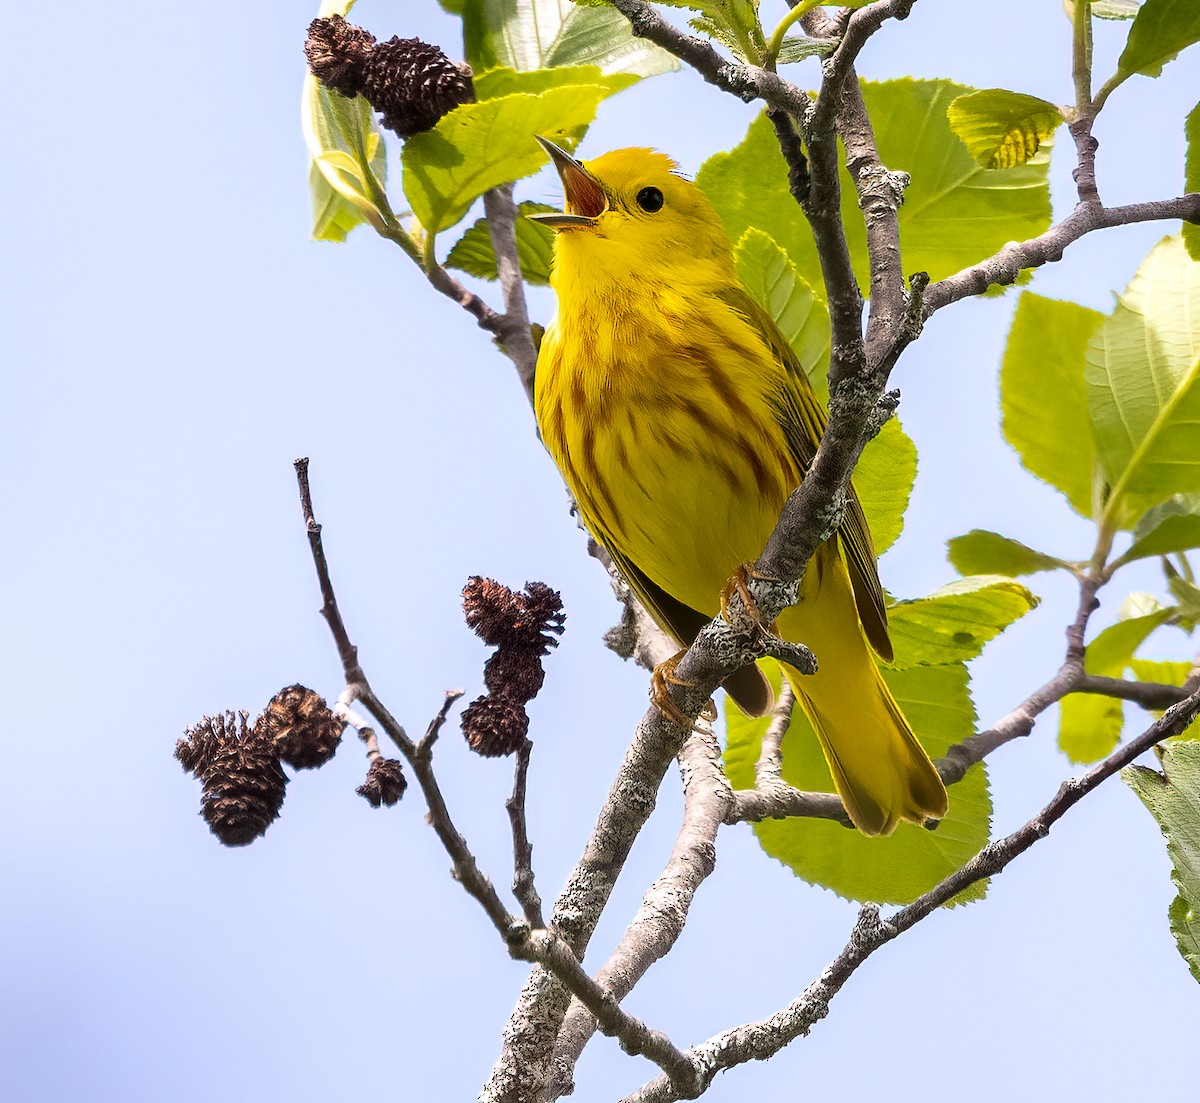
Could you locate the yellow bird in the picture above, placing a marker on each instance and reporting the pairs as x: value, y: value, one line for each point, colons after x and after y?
x: 681, y: 420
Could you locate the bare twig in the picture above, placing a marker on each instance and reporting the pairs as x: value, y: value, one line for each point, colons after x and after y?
x: 1003, y: 267
x: 761, y: 1040
x: 523, y: 885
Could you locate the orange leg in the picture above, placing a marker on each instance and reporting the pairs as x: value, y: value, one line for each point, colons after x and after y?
x: 663, y: 676
x: 739, y: 584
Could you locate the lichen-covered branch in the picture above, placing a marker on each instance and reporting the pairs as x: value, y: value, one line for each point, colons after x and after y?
x: 760, y: 1040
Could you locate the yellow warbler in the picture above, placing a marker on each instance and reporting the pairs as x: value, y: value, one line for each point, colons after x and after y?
x: 681, y: 420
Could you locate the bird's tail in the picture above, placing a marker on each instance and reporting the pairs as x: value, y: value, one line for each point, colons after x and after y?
x: 882, y: 773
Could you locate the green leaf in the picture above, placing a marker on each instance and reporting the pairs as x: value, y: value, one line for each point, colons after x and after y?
x: 1143, y: 385
x: 1173, y: 798
x: 885, y: 473
x: 1089, y: 723
x: 1175, y: 532
x: 1164, y: 673
x: 884, y: 480
x: 503, y: 81
x: 799, y: 47
x: 955, y: 213
x: 1191, y: 178
x: 478, y: 146
x: 982, y: 552
x: 348, y: 184
x: 733, y: 23
x: 896, y: 869
x: 1002, y: 129
x: 1044, y: 412
x: 773, y: 282
x: 1160, y: 30
x: 954, y: 624
x: 1115, y: 9
x: 538, y: 34
x: 473, y: 252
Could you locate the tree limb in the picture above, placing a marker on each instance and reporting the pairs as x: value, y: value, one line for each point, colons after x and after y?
x: 761, y: 1040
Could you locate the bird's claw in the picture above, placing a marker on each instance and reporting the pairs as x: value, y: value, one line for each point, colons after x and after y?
x: 663, y: 676
x: 739, y: 583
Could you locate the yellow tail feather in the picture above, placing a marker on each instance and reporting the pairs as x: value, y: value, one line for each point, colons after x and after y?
x: 882, y: 773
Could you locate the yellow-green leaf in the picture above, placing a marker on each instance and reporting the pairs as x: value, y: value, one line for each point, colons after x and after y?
x: 478, y: 146
x: 955, y: 212
x: 348, y: 184
x: 954, y: 624
x: 1160, y: 30
x: 1002, y: 129
x: 538, y: 34
x: 1143, y: 385
x: 1173, y: 798
x: 900, y: 867
x: 885, y: 473
x: 981, y: 552
x: 1044, y: 411
x: 473, y: 252
x: 503, y: 81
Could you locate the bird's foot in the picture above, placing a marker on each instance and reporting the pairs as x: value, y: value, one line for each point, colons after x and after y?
x: 663, y: 676
x: 739, y: 583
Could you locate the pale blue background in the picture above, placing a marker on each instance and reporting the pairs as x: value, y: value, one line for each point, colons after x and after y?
x: 173, y: 340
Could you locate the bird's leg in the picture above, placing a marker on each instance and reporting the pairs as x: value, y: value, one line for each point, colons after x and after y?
x: 663, y: 676
x: 739, y: 584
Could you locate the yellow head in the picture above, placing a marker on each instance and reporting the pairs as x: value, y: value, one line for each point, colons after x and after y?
x: 630, y: 216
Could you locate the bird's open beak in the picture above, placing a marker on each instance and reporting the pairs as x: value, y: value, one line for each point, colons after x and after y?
x: 584, y: 195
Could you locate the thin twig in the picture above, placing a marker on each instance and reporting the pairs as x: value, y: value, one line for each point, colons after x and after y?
x: 514, y: 334
x: 523, y: 885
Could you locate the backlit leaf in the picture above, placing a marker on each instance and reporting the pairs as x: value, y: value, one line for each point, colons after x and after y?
x: 348, y: 154
x: 982, y: 552
x: 1171, y: 532
x: 1160, y: 30
x: 473, y: 252
x: 954, y: 624
x: 478, y: 146
x: 503, y: 81
x: 1044, y: 411
x: 537, y: 34
x: 885, y: 473
x: 1173, y: 798
x: 1143, y: 385
x: 1002, y: 129
x: 955, y: 212
x: 900, y: 867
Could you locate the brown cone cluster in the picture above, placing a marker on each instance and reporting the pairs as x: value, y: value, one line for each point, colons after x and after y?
x: 239, y: 767
x: 240, y: 772
x: 522, y: 627
x: 299, y: 725
x: 385, y: 783
x: 410, y: 82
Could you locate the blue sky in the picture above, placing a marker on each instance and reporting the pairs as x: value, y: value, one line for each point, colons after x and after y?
x: 174, y: 340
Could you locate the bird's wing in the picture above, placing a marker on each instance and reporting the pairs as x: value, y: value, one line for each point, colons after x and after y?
x: 803, y: 419
x: 747, y: 686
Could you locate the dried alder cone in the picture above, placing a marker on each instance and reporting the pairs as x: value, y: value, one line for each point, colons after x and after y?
x: 239, y: 766
x: 410, y: 82
x: 522, y: 627
x: 385, y: 783
x: 243, y: 783
x: 304, y: 733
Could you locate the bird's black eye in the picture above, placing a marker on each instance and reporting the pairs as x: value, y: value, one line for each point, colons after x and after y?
x: 650, y: 199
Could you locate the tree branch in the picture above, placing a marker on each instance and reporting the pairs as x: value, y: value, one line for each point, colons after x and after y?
x: 513, y: 333
x: 1004, y: 267
x: 761, y: 1040
x: 660, y: 919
